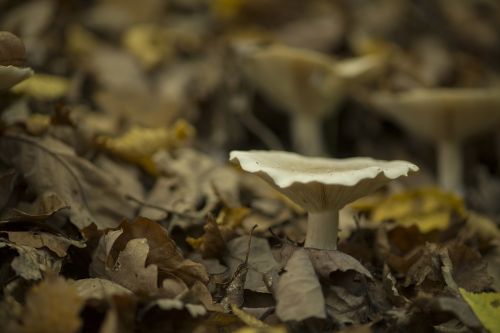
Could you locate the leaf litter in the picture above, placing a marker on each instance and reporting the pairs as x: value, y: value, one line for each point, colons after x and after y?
x: 119, y: 213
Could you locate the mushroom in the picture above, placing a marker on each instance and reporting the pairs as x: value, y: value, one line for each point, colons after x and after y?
x: 322, y: 186
x: 307, y: 84
x: 446, y: 116
x: 12, y: 58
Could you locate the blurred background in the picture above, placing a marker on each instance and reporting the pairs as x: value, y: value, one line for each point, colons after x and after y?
x: 335, y: 78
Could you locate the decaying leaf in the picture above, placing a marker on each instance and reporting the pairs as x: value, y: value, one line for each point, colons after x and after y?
x: 43, y: 86
x: 486, y: 306
x: 31, y: 263
x: 299, y: 294
x: 427, y: 208
x: 52, y: 306
x: 139, y: 144
x: 260, y: 261
x: 247, y: 318
x: 211, y: 244
x: 96, y: 288
x: 236, y: 285
x: 141, y: 256
x: 57, y: 244
x: 326, y: 262
x: 78, y: 184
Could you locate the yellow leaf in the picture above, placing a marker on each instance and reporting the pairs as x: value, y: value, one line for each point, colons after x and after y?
x: 486, y: 307
x: 43, y: 86
x: 139, y: 144
x: 227, y: 9
x: 149, y: 43
x: 232, y: 217
x: 79, y: 40
x: 275, y: 329
x: 247, y: 318
x: 37, y: 124
x: 427, y: 208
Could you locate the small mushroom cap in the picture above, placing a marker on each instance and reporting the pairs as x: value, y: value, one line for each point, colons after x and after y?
x: 12, y: 51
x: 443, y: 114
x: 11, y: 75
x: 319, y: 184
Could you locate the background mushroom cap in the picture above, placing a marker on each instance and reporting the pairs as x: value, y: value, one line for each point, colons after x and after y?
x: 441, y: 113
x: 319, y: 184
x: 11, y: 75
x: 12, y: 51
x: 295, y: 80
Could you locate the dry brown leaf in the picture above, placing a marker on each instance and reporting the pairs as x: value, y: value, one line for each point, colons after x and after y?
x: 76, y: 182
x: 326, y: 262
x: 52, y: 306
x: 31, y: 263
x: 299, y: 294
x: 260, y: 261
x: 57, y: 244
x: 163, y: 252
x: 96, y: 288
x: 211, y: 244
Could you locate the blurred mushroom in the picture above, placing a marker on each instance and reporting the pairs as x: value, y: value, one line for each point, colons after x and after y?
x: 447, y: 117
x: 321, y: 186
x: 307, y: 84
x: 12, y: 58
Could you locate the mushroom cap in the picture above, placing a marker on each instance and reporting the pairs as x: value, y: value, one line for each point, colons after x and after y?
x: 11, y: 75
x: 443, y: 113
x: 296, y: 80
x: 12, y: 51
x: 319, y: 184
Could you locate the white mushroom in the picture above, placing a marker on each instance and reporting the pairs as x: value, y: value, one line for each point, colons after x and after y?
x: 12, y: 55
x: 321, y: 186
x: 446, y: 117
x: 307, y: 84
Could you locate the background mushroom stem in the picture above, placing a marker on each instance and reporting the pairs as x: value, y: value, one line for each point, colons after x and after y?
x: 450, y: 166
x: 322, y: 228
x: 307, y: 135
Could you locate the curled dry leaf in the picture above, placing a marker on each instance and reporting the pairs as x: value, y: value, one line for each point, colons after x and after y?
x: 299, y: 294
x: 326, y: 262
x: 141, y: 257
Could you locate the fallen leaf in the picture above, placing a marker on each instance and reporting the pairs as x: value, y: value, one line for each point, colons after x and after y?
x: 52, y: 306
x: 139, y: 144
x: 43, y: 86
x: 57, y: 244
x: 247, y: 318
x: 299, y: 294
x: 327, y: 262
x: 427, y: 208
x: 31, y: 263
x: 210, y: 244
x: 486, y: 306
x: 131, y: 271
x: 260, y: 261
x: 96, y: 288
x: 76, y: 182
x: 163, y: 252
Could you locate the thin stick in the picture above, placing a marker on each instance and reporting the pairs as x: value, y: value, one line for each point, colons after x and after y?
x: 166, y: 210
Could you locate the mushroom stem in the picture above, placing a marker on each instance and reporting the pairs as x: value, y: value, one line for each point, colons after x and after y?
x: 322, y: 230
x: 450, y: 166
x: 307, y: 134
